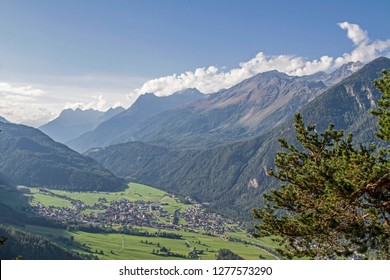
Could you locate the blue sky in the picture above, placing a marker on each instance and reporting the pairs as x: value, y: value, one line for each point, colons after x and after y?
x: 56, y: 54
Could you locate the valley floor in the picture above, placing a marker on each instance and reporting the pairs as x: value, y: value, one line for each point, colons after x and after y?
x: 138, y: 223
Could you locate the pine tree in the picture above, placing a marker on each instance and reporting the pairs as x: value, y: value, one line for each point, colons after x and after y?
x: 2, y: 241
x: 383, y: 110
x: 335, y: 198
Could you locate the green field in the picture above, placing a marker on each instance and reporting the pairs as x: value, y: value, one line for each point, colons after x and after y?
x: 122, y: 246
x: 128, y: 247
x: 134, y: 192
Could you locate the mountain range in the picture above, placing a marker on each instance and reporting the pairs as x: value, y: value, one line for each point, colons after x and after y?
x: 146, y: 106
x: 71, y: 123
x: 249, y: 108
x: 215, y: 148
x: 233, y: 177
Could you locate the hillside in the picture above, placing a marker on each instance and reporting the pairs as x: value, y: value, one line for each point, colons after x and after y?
x: 233, y: 177
x: 249, y: 108
x: 95, y: 226
x: 29, y: 157
x: 27, y: 246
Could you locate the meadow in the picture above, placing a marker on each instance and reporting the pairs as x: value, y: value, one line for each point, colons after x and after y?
x: 115, y: 246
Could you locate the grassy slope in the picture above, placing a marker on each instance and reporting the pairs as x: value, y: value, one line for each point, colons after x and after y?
x: 120, y: 246
x: 128, y: 247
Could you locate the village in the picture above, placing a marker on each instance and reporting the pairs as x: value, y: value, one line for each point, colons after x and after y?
x: 138, y: 213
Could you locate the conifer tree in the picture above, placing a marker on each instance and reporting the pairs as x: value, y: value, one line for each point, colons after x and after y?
x: 383, y: 110
x: 334, y: 200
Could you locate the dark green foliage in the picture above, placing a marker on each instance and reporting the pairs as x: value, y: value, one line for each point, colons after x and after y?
x: 226, y: 254
x: 32, y: 247
x: 334, y: 200
x: 383, y: 110
x: 31, y: 158
x: 206, y: 175
x: 2, y: 241
x: 17, y: 217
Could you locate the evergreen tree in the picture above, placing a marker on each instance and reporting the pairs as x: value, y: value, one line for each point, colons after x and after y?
x: 2, y: 241
x: 226, y: 254
x: 383, y: 110
x: 335, y: 198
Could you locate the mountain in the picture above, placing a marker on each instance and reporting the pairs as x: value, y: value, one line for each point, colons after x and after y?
x: 343, y: 72
x: 145, y: 106
x: 29, y: 157
x: 232, y: 177
x: 337, y: 75
x: 249, y: 108
x: 3, y: 120
x: 71, y: 123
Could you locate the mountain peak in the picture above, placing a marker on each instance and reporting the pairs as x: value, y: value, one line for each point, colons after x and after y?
x: 188, y: 91
x: 374, y: 67
x: 271, y: 74
x: 71, y: 123
x: 350, y: 67
x: 3, y: 120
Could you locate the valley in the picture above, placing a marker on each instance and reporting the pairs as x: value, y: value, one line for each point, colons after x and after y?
x: 138, y: 223
x: 201, y: 163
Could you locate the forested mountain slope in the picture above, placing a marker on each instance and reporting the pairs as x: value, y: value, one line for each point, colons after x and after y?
x: 29, y: 157
x: 233, y: 177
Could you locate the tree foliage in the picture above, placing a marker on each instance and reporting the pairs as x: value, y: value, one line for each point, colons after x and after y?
x: 28, y: 246
x: 383, y: 110
x: 334, y: 200
x: 226, y: 254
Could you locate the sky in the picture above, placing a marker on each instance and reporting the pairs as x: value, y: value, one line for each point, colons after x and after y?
x: 57, y: 54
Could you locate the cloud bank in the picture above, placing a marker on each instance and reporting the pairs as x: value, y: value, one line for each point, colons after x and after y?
x: 20, y: 103
x: 36, y: 104
x: 211, y: 79
x: 98, y: 102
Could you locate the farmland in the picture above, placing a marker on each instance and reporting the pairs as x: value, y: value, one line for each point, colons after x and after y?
x: 140, y: 223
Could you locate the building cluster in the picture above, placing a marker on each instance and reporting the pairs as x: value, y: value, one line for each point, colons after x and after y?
x: 140, y: 213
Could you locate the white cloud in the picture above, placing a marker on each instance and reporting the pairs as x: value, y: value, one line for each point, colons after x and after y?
x: 211, y: 79
x: 365, y: 49
x: 20, y: 104
x: 35, y: 104
x: 354, y: 32
x: 98, y: 102
x: 6, y: 88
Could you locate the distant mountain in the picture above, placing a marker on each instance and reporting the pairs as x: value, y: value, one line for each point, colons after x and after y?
x: 247, y: 109
x: 29, y: 157
x: 232, y: 177
x: 3, y: 120
x: 145, y: 106
x: 252, y: 107
x: 343, y: 72
x: 71, y: 123
x: 337, y: 75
